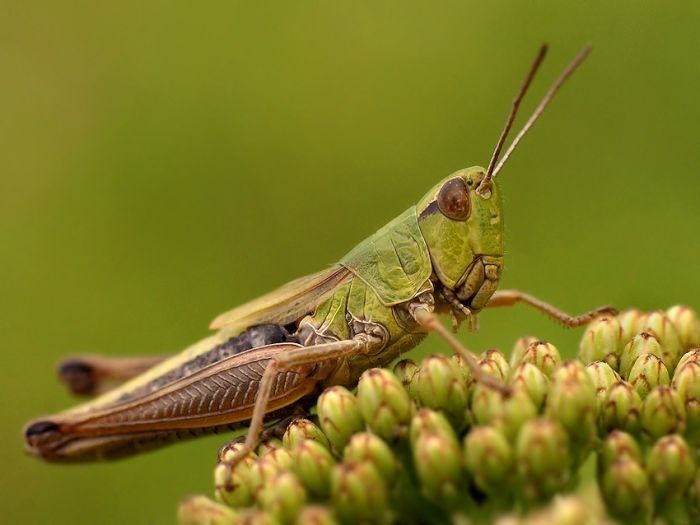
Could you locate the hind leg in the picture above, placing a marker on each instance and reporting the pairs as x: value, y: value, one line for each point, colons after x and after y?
x: 91, y: 374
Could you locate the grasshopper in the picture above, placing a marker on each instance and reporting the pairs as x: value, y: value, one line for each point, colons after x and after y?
x: 274, y: 354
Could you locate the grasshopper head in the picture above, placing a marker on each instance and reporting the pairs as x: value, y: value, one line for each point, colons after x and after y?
x: 461, y: 217
x: 462, y: 226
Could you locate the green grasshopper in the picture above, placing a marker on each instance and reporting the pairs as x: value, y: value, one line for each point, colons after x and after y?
x: 275, y: 353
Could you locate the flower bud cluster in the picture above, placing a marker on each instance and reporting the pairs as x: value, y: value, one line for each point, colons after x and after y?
x: 426, y: 443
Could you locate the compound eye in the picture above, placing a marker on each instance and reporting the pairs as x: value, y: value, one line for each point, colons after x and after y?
x: 453, y: 200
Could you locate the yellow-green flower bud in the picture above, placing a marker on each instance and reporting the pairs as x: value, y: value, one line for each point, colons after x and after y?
x: 529, y: 379
x: 426, y: 421
x: 670, y: 467
x: 259, y: 475
x: 693, y: 498
x: 383, y: 403
x: 691, y: 356
x: 572, y: 401
x: 280, y: 457
x: 603, y: 377
x: 542, y: 458
x: 404, y: 370
x: 602, y: 341
x: 268, y: 445
x: 648, y: 372
x: 625, y: 489
x: 437, y: 460
x: 662, y: 412
x: 494, y: 360
x: 312, y: 463
x: 256, y: 517
x: 200, y: 510
x: 687, y: 325
x: 439, y: 385
x: 618, y: 445
x: 283, y: 496
x: 622, y: 409
x: 632, y: 322
x: 339, y: 415
x: 368, y: 447
x: 641, y: 344
x: 665, y: 331
x: 519, y: 349
x: 358, y: 492
x: 569, y: 510
x: 463, y: 369
x: 506, y: 412
x: 489, y: 459
x: 301, y: 429
x: 686, y: 381
x: 315, y: 515
x: 231, y: 486
x: 543, y: 355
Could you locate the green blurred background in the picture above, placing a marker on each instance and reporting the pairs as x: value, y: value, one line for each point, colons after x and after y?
x: 162, y: 162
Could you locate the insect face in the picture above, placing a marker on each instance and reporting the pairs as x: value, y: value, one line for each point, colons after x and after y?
x: 462, y: 226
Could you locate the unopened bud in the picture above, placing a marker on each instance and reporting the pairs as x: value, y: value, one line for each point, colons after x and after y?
x: 641, y: 344
x: 489, y: 459
x: 370, y: 448
x: 693, y: 499
x: 260, y: 474
x: 506, y: 412
x: 618, y: 445
x: 198, y: 510
x: 631, y: 322
x: 622, y: 408
x: 659, y: 324
x: 315, y: 515
x: 543, y: 355
x: 662, y: 412
x: 519, y: 349
x: 383, y: 403
x: 647, y: 373
x: 426, y: 421
x: 312, y: 463
x: 572, y: 401
x: 301, y: 429
x: 687, y: 325
x: 339, y: 415
x: 529, y: 379
x: 280, y: 457
x: 625, y: 489
x: 405, y: 370
x: 439, y: 385
x: 268, y: 445
x: 569, y: 510
x: 670, y: 467
x: 686, y: 381
x: 437, y: 460
x: 283, y: 496
x: 463, y: 369
x: 494, y: 360
x: 231, y: 485
x: 542, y: 458
x: 603, y: 377
x: 689, y: 357
x: 602, y: 341
x: 255, y: 516
x: 358, y: 493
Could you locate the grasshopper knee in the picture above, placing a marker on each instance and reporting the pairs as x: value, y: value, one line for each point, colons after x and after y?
x: 79, y: 376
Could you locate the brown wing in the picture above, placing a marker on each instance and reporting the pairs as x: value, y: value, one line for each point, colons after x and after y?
x: 220, y: 394
x: 286, y: 304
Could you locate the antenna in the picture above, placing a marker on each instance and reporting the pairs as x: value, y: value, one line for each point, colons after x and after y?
x: 558, y: 83
x: 514, y: 109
